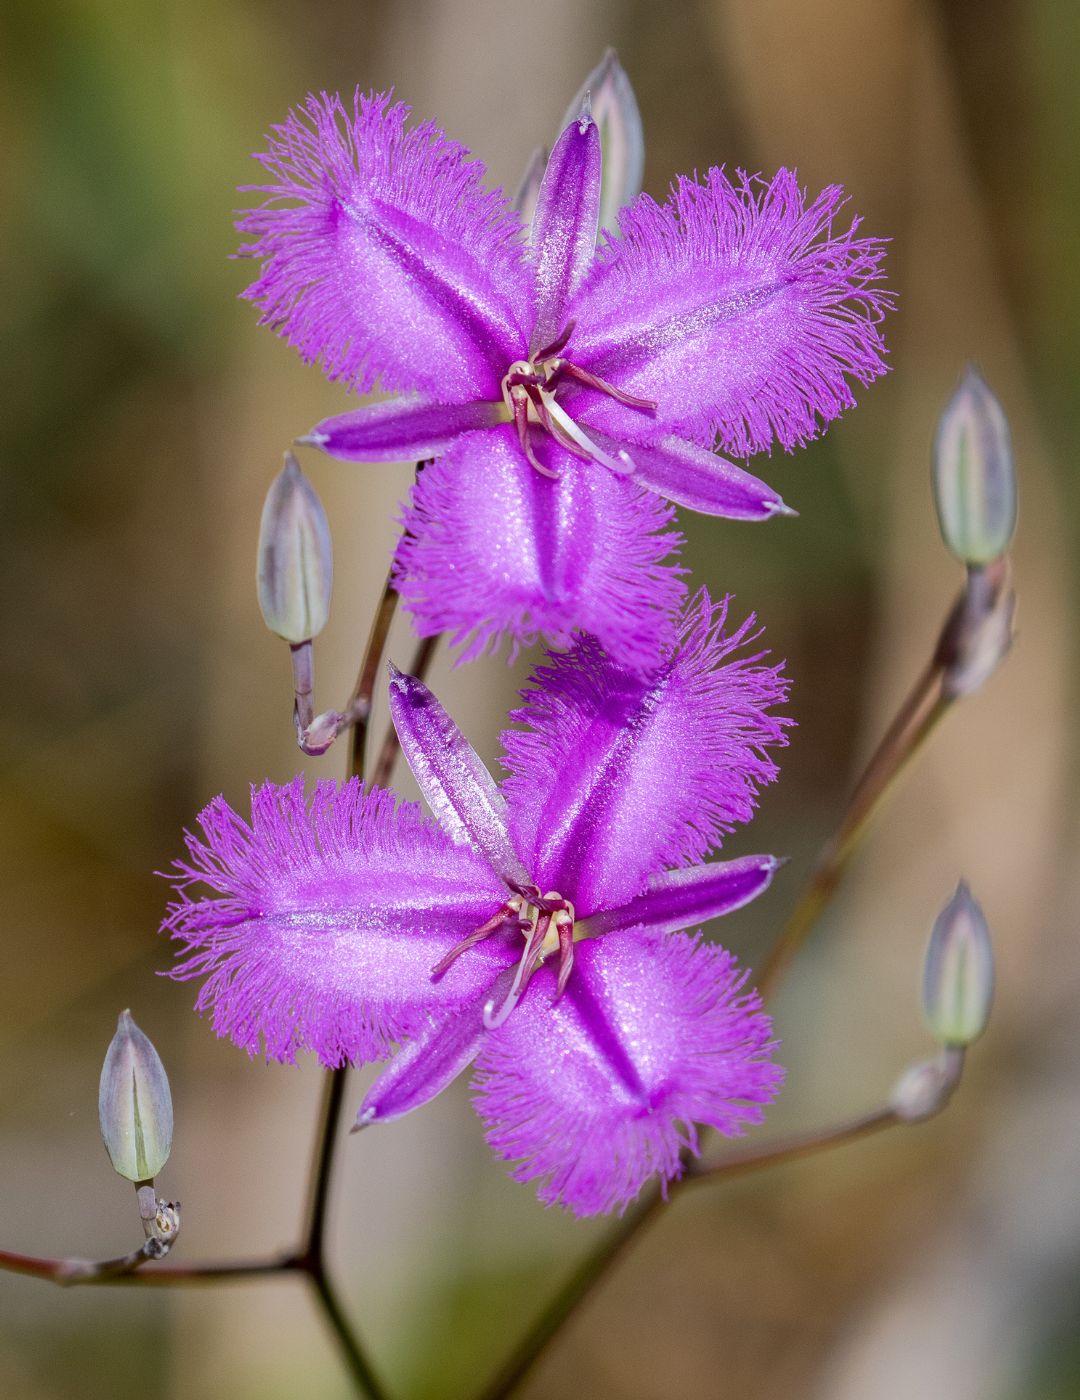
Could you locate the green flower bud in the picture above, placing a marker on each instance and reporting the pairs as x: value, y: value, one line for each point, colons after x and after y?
x: 134, y: 1104
x: 615, y: 111
x: 958, y: 975
x: 973, y: 474
x: 295, y: 566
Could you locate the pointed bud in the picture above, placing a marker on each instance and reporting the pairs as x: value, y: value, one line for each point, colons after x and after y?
x: 295, y: 565
x: 958, y: 976
x: 622, y: 141
x: 134, y: 1104
x: 973, y: 474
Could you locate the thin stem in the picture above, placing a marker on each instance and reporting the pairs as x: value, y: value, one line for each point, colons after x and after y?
x: 791, y: 1148
x: 352, y: 1353
x: 358, y: 710
x: 322, y: 1168
x: 207, y: 1273
x: 384, y: 764
x: 577, y: 1288
x: 594, y: 1268
x: 71, y: 1271
x: 913, y: 724
x: 303, y: 666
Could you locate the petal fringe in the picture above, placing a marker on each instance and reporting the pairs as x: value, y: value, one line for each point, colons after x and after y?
x: 325, y: 919
x: 601, y: 1090
x: 620, y: 773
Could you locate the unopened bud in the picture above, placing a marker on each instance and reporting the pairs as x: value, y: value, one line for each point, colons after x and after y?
x: 958, y: 975
x: 973, y: 474
x: 615, y: 111
x: 134, y: 1104
x: 295, y: 565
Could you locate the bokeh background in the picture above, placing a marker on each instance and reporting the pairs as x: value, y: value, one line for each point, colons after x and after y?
x: 143, y: 416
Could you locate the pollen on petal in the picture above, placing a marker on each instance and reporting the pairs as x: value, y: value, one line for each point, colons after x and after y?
x: 594, y: 1094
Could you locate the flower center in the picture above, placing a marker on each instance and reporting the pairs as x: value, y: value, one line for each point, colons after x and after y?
x: 530, y: 393
x: 546, y: 922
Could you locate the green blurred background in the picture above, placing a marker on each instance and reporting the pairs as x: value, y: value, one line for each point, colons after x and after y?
x: 143, y: 417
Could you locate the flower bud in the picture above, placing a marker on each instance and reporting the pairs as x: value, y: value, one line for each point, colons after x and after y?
x: 615, y: 111
x: 973, y: 474
x: 134, y: 1104
x: 295, y: 565
x: 958, y: 976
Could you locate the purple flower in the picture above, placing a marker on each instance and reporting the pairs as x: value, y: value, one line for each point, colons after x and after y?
x: 535, y: 928
x: 559, y: 390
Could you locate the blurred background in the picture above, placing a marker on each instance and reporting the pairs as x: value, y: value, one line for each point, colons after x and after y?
x: 144, y: 415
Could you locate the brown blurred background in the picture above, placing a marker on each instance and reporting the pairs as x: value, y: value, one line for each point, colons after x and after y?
x: 144, y: 415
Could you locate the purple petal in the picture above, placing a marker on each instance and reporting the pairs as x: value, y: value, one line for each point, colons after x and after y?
x: 431, y: 1061
x: 602, y: 1089
x: 493, y: 549
x: 737, y: 309
x: 326, y: 918
x: 565, y: 224
x: 452, y: 779
x: 383, y: 254
x: 676, y: 899
x: 620, y: 774
x: 615, y: 111
x: 401, y: 430
x: 693, y: 477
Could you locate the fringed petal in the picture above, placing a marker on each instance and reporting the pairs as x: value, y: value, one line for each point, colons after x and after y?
x: 620, y: 774
x: 325, y: 919
x: 384, y: 256
x: 564, y: 225
x: 493, y: 549
x: 738, y: 308
x: 595, y: 1093
x: 451, y: 776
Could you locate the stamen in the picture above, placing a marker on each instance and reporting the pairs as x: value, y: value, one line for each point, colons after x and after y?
x: 509, y: 914
x: 559, y: 343
x: 521, y: 404
x: 531, y: 959
x: 594, y: 381
x: 529, y: 389
x: 564, y: 924
x: 621, y: 466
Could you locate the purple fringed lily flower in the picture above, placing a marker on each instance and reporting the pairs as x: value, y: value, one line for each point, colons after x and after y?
x: 535, y: 928
x: 558, y: 391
